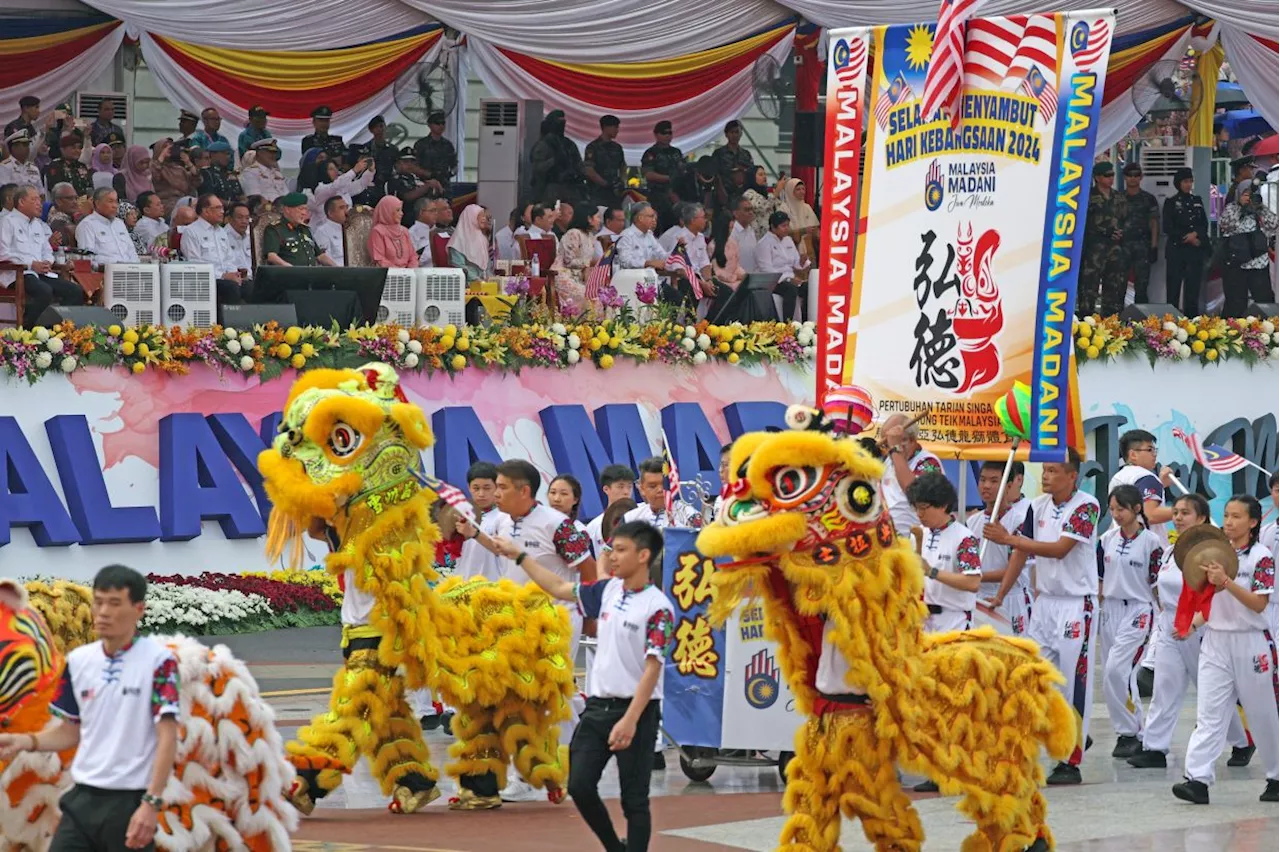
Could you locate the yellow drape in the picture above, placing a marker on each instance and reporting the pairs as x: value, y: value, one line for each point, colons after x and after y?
x: 1200, y: 122
x: 686, y: 64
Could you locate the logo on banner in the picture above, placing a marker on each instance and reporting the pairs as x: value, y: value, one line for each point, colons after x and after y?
x: 761, y: 685
x: 971, y: 184
x: 933, y: 187
x: 1088, y: 43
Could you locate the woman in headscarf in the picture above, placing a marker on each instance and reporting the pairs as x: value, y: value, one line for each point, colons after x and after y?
x: 129, y: 215
x: 104, y: 170
x: 137, y: 172
x: 390, y: 245
x: 173, y: 173
x: 762, y: 202
x: 311, y: 169
x: 804, y: 222
x: 1247, y: 226
x: 469, y: 245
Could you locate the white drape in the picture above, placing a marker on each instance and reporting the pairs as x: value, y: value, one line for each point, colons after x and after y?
x: 268, y: 24
x: 55, y: 85
x: 1121, y: 115
x: 615, y: 31
x: 1260, y: 17
x: 1132, y: 15
x: 697, y: 121
x: 1257, y: 67
x: 183, y: 90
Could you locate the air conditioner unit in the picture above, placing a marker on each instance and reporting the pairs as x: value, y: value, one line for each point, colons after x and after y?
x: 132, y: 293
x: 189, y: 295
x: 88, y: 103
x: 401, y: 296
x: 508, y: 130
x: 1158, y: 168
x: 442, y: 297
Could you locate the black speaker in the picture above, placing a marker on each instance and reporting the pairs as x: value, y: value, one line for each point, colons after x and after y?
x: 1137, y: 312
x: 81, y: 316
x: 1262, y: 309
x: 806, y: 139
x: 247, y: 316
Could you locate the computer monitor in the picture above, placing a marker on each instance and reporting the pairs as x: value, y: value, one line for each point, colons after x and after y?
x: 290, y: 284
x: 752, y: 301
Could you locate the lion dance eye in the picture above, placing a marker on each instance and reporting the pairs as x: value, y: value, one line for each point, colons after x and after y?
x: 858, y: 500
x: 791, y: 482
x: 344, y: 440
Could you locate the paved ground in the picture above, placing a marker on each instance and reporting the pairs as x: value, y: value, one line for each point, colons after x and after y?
x: 1117, y: 809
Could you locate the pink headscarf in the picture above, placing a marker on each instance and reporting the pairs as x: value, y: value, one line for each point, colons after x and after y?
x: 137, y: 180
x: 389, y: 242
x: 469, y: 240
x: 102, y: 161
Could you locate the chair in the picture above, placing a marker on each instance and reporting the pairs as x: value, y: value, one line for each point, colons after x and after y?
x: 15, y: 294
x: 440, y: 250
x: 266, y: 220
x: 355, y: 237
x: 545, y: 250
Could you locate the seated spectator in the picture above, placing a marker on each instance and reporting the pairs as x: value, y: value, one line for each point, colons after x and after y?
x: 508, y: 248
x: 776, y: 252
x: 237, y: 234
x: 137, y: 173
x: 69, y: 169
x: 173, y: 174
x: 613, y: 223
x: 804, y: 222
x: 760, y: 196
x: 575, y: 256
x: 390, y: 245
x: 543, y: 219
x: 328, y: 232
x: 726, y: 266
x: 128, y: 214
x: 637, y: 247
x: 744, y: 233
x: 7, y: 192
x: 219, y: 178
x: 469, y: 245
x: 444, y: 217
x: 151, y: 223
x: 564, y: 215
x: 693, y: 221
x: 526, y: 221
x: 290, y: 242
x: 425, y: 212
x: 23, y: 240
x: 66, y: 205
x: 205, y: 241
x: 105, y: 173
x: 104, y: 233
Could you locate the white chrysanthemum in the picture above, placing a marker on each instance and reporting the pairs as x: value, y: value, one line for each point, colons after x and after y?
x: 699, y: 357
x: 704, y: 341
x: 400, y: 348
x: 1170, y: 326
x: 557, y: 340
x: 411, y: 360
x: 415, y: 347
x: 246, y: 340
x: 233, y: 346
x: 572, y: 356
x: 246, y: 363
x: 574, y: 341
x: 688, y: 344
x: 810, y: 351
x: 1181, y: 335
x: 1184, y: 351
x: 1268, y: 326
x: 402, y: 335
x: 690, y: 332
x: 558, y: 328
x: 231, y: 334
x: 54, y: 345
x: 68, y: 363
x: 44, y: 360
x: 41, y: 333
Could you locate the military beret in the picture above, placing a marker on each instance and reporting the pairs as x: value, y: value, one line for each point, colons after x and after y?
x: 322, y: 112
x: 1103, y: 169
x: 257, y: 111
x: 377, y: 119
x: 114, y: 138
x: 292, y: 199
x: 1182, y: 174
x: 218, y: 146
x: 662, y: 127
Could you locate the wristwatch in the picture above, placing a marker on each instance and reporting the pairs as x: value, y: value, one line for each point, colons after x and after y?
x: 154, y: 801
x: 933, y: 573
x: 521, y: 558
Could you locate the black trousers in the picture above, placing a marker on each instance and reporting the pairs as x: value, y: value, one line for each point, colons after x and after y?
x: 1183, y: 272
x: 95, y: 820
x: 589, y: 754
x: 234, y: 292
x: 1241, y: 285
x: 43, y: 291
x: 791, y: 293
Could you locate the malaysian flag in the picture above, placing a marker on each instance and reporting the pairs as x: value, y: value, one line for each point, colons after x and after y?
x: 673, y: 477
x: 990, y: 46
x: 679, y: 261
x: 1088, y: 42
x: 899, y: 91
x: 1037, y: 49
x: 943, y: 85
x: 1212, y: 457
x: 848, y: 74
x: 1036, y: 86
x: 449, y: 494
x: 601, y: 274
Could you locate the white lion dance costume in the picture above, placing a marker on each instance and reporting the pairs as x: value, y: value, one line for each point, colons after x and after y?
x: 348, y: 454
x: 227, y: 791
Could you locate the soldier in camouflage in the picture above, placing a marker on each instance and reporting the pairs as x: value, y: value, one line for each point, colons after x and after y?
x: 662, y: 164
x: 331, y: 144
x: 437, y: 156
x: 1103, y: 270
x: 604, y: 164
x: 219, y: 179
x: 1141, y: 232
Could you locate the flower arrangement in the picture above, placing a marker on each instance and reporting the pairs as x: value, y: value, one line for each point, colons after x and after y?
x: 267, y: 351
x: 232, y: 603
x: 1205, y: 339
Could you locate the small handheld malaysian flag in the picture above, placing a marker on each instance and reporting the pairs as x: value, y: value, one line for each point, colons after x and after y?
x: 1036, y: 86
x: 679, y: 261
x: 1212, y: 457
x: 601, y: 274
x: 449, y: 494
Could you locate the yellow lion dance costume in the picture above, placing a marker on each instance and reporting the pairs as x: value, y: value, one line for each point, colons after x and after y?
x: 230, y: 778
x: 803, y: 518
x: 348, y: 454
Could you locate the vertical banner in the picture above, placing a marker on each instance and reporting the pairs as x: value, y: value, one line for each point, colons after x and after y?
x: 693, y: 686
x: 759, y: 709
x: 846, y: 97
x: 968, y: 259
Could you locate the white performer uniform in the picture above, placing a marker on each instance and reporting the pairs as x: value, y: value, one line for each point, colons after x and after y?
x: 1237, y: 661
x: 1127, y: 568
x: 1017, y: 604
x: 952, y: 549
x: 1063, y: 620
x: 895, y: 498
x: 1147, y: 482
x: 1269, y: 537
x: 475, y: 561
x: 1176, y: 663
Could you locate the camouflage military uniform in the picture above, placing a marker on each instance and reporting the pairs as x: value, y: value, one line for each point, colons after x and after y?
x: 609, y: 161
x: 727, y: 159
x: 73, y: 172
x: 1140, y: 211
x: 665, y: 160
x: 333, y: 146
x: 222, y: 182
x: 1103, y: 270
x: 439, y: 158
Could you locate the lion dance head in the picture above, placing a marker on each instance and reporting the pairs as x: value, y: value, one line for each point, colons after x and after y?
x: 30, y: 662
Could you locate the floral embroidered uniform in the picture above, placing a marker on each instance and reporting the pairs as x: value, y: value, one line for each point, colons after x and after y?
x: 1127, y: 569
x: 1177, y: 662
x: 904, y: 517
x: 1237, y: 662
x: 951, y: 549
x: 1017, y: 604
x: 475, y: 561
x: 681, y: 515
x: 1269, y: 537
x: 1062, y: 622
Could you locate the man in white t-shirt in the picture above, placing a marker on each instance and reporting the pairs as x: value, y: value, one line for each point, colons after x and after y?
x: 1138, y: 452
x: 475, y: 560
x: 1061, y: 532
x: 622, y: 715
x: 906, y: 460
x: 328, y: 231
x: 118, y: 707
x: 995, y: 557
x: 424, y: 211
x: 653, y: 491
x: 618, y: 482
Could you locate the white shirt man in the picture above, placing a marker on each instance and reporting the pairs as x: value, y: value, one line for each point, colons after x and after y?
x: 328, y: 236
x: 950, y: 549
x: 20, y: 167
x: 238, y: 245
x: 681, y: 515
x: 148, y: 229
x: 108, y: 239
x: 995, y: 557
x: 508, y: 248
x: 635, y: 248
x: 895, y: 497
x: 22, y: 240
x: 475, y: 560
x: 777, y: 254
x: 746, y: 240
x: 420, y: 233
x: 204, y: 242
x: 694, y: 244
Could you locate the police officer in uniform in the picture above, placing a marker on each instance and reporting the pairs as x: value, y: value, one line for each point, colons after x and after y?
x: 408, y: 184
x: 384, y: 156
x: 333, y: 146
x: 605, y: 165
x: 661, y: 164
x: 1186, y: 228
x: 1141, y: 231
x: 1103, y: 266
x: 289, y: 242
x: 219, y: 178
x: 436, y: 156
x: 17, y: 168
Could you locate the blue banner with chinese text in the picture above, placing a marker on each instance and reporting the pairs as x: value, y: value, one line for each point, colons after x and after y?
x: 693, y: 687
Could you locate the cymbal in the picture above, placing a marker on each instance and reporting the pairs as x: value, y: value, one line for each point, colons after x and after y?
x: 1201, y: 544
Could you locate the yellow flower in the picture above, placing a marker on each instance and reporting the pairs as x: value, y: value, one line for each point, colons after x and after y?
x: 131, y: 336
x: 1212, y: 354
x: 1203, y: 335
x: 447, y: 341
x: 739, y: 345
x: 143, y: 350
x: 1197, y: 346
x: 293, y: 335
x: 606, y: 361
x: 595, y: 344
x: 1083, y: 342
x: 127, y: 348
x: 463, y: 344
x: 733, y: 358
x: 1098, y: 341
x: 723, y: 347
x: 284, y: 350
x: 308, y: 350
x: 1092, y: 352
x: 138, y: 366
x: 458, y: 362
x: 298, y: 361
x: 615, y: 342
x: 450, y: 330
x: 113, y: 330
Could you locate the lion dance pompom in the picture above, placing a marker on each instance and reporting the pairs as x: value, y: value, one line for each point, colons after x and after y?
x: 804, y: 520
x: 230, y: 779
x: 348, y: 454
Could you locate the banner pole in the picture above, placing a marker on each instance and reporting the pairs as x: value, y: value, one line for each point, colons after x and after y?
x: 1004, y: 482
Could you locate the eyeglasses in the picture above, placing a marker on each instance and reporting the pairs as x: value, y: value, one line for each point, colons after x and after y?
x: 1143, y: 449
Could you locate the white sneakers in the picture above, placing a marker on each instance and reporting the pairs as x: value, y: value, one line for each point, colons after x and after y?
x: 520, y: 790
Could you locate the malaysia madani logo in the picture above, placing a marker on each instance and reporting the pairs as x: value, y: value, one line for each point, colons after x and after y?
x: 933, y: 187
x: 761, y: 685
